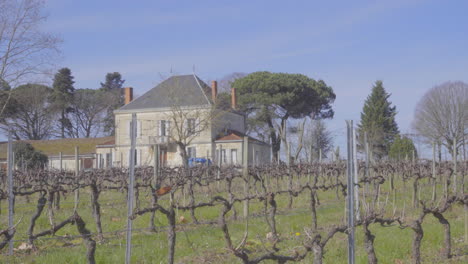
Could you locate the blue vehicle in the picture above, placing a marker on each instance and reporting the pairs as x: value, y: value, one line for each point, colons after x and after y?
x: 198, y: 161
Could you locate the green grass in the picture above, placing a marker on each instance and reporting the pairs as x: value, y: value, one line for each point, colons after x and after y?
x: 205, y: 243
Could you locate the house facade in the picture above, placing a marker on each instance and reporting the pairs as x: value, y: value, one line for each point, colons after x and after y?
x: 181, y: 111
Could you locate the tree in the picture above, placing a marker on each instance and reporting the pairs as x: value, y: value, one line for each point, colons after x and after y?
x: 113, y: 87
x: 62, y: 97
x: 33, y: 115
x: 378, y: 122
x: 25, y: 49
x: 402, y: 148
x: 4, y: 86
x: 187, y: 122
x: 27, y: 157
x: 441, y: 115
x: 318, y: 138
x: 88, y: 112
x: 269, y: 97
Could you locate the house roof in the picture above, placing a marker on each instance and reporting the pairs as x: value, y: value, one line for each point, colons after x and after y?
x: 180, y: 90
x: 66, y: 146
x: 233, y: 135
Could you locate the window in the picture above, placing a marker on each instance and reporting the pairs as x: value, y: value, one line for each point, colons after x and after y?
x: 223, y: 156
x: 135, y: 161
x: 108, y: 160
x: 233, y: 156
x: 162, y: 128
x: 191, y: 126
x: 192, y: 152
x: 138, y: 128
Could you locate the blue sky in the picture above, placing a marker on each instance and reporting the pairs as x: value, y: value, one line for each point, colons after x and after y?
x: 410, y: 45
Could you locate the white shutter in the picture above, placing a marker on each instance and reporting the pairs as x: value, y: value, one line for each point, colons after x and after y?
x: 168, y: 128
x: 130, y: 129
x: 186, y: 127
x: 139, y: 157
x: 139, y: 130
x: 197, y: 125
x: 159, y: 128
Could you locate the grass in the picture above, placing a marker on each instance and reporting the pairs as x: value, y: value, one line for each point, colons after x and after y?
x: 205, y: 243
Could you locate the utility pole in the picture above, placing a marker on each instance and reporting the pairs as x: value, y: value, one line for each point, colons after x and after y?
x: 350, y: 192
x: 131, y: 184
x: 11, y: 196
x: 77, y: 172
x: 356, y: 180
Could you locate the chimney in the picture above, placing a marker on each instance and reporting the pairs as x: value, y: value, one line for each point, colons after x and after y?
x: 214, y: 90
x: 233, y: 98
x: 128, y: 92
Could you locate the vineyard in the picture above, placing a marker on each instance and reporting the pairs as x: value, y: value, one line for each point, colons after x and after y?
x: 408, y: 212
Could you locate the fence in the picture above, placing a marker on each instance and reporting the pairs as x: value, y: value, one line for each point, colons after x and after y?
x: 429, y: 189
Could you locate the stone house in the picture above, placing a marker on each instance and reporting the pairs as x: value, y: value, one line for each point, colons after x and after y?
x: 181, y: 109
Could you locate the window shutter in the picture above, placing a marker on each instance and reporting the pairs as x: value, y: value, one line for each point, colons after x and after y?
x: 168, y: 128
x: 129, y: 129
x: 197, y: 125
x: 139, y: 157
x: 139, y: 130
x: 159, y: 128
x: 186, y: 127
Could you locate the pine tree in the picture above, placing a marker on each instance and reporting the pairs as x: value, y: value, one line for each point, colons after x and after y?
x: 62, y: 97
x: 378, y: 122
x: 113, y: 86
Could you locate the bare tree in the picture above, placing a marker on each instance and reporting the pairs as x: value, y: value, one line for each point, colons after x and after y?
x: 89, y: 112
x: 317, y: 138
x: 227, y: 80
x: 441, y: 115
x: 187, y: 121
x: 25, y: 50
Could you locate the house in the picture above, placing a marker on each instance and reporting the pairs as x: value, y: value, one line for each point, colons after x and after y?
x: 181, y: 111
x: 61, y: 152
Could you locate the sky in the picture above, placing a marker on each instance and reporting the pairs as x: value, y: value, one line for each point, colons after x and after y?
x: 410, y: 45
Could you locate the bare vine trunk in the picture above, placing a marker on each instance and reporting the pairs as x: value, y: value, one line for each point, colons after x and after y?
x: 96, y: 209
x: 40, y: 207
x: 447, y: 235
x: 417, y: 238
x: 369, y: 244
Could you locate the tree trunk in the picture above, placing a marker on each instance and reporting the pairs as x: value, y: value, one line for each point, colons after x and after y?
x: 318, y: 254
x: 96, y: 209
x: 369, y: 244
x: 313, y: 209
x: 417, y: 238
x: 40, y: 207
x: 62, y: 123
x: 447, y: 236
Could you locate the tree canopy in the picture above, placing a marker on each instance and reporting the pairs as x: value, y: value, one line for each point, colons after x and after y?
x: 378, y: 122
x: 402, y: 148
x: 30, y: 113
x: 62, y: 97
x: 26, y: 156
x: 113, y: 86
x: 441, y: 115
x: 267, y: 97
